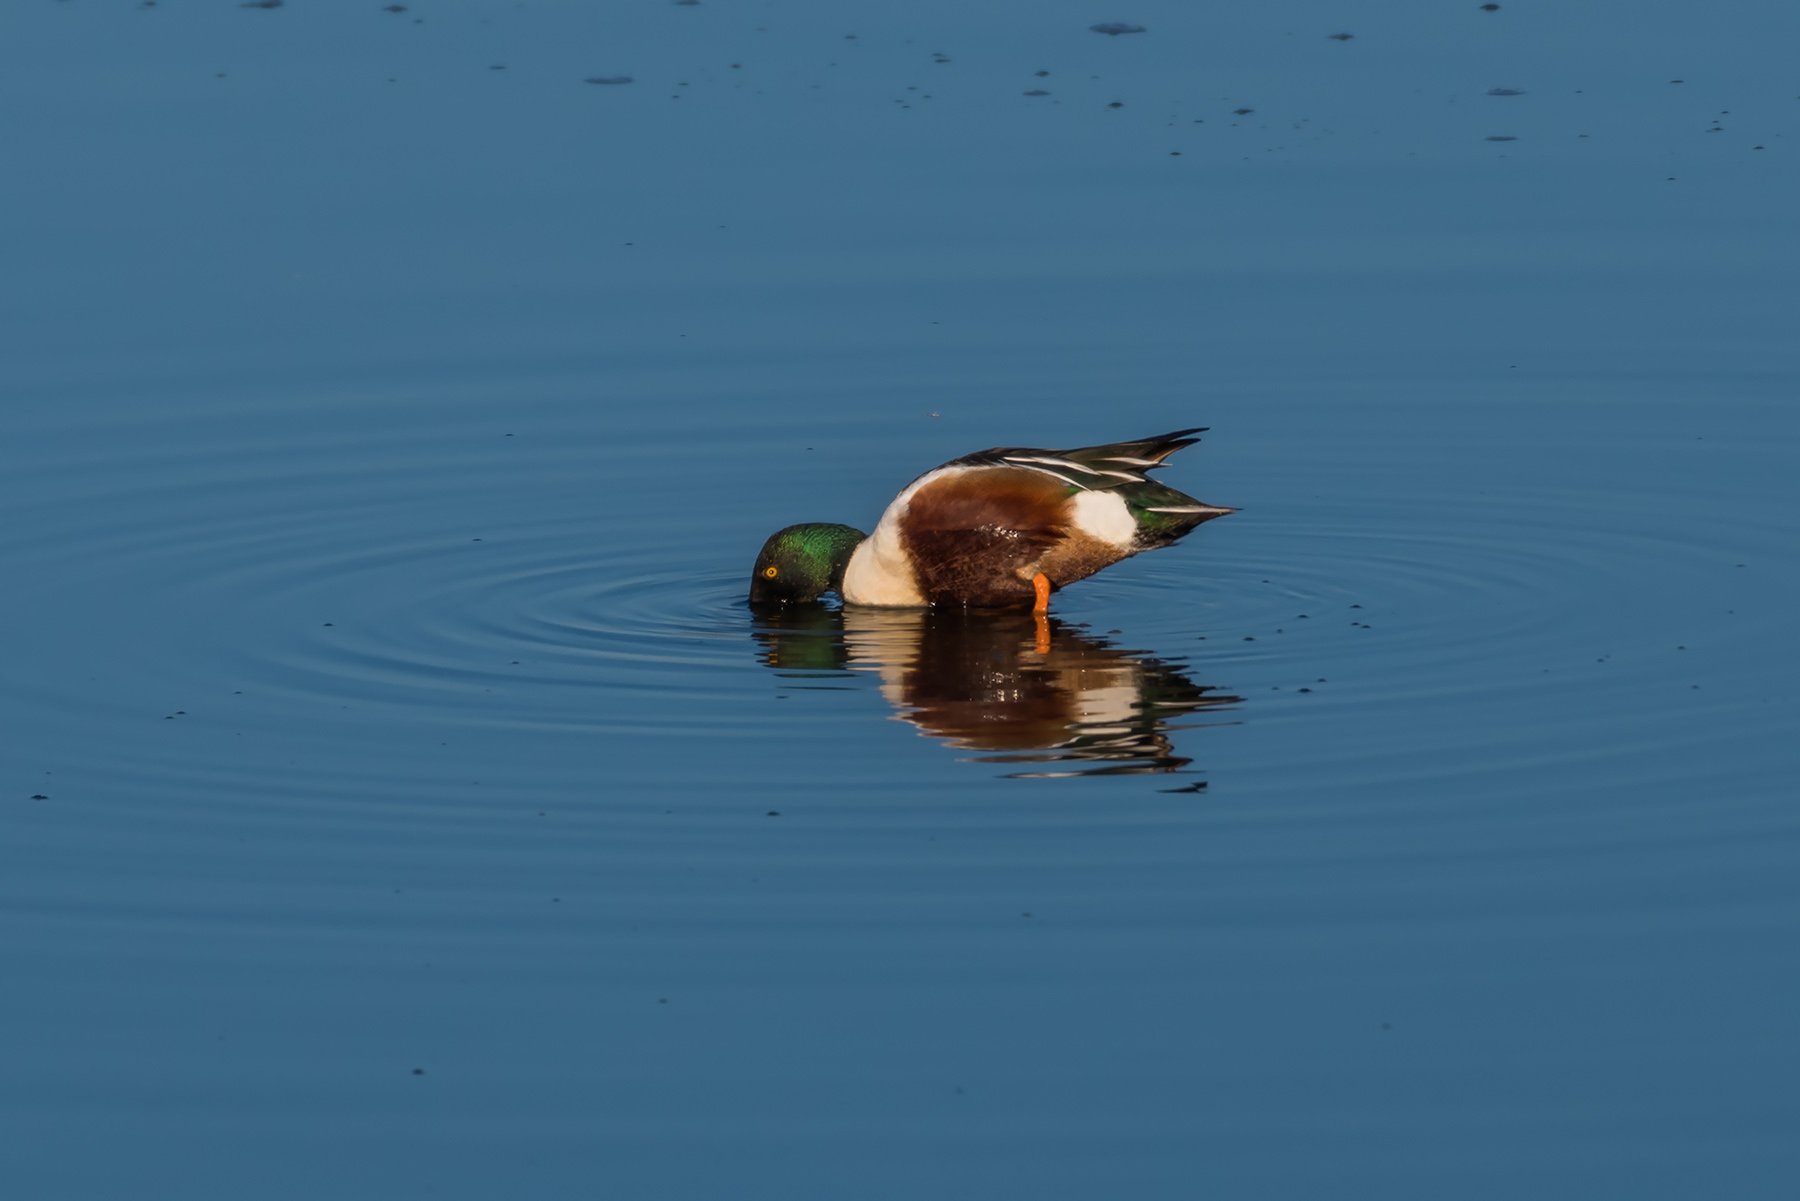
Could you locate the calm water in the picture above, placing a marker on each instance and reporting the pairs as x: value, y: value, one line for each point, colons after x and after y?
x: 401, y: 801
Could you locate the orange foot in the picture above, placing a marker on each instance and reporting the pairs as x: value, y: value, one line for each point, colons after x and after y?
x: 1040, y: 583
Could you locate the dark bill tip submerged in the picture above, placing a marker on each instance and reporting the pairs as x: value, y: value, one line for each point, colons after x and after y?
x: 802, y: 563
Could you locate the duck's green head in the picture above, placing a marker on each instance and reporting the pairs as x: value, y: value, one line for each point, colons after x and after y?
x: 802, y: 562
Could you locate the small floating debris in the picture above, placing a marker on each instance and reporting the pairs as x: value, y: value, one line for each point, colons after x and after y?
x: 1500, y: 137
x: 1506, y: 91
x: 607, y: 79
x: 1115, y: 28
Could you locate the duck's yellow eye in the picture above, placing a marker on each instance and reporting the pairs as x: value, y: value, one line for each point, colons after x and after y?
x: 770, y: 572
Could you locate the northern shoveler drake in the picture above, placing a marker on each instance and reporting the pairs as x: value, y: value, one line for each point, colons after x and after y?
x: 1002, y: 527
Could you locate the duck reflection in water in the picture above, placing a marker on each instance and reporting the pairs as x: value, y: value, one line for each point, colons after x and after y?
x: 1026, y: 687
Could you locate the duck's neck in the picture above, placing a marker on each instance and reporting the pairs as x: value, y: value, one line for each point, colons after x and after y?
x: 838, y: 543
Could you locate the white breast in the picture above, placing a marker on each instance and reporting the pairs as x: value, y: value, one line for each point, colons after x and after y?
x: 879, y: 572
x: 878, y: 576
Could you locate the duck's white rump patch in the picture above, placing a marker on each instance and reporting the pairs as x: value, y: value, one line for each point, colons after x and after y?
x: 1105, y: 516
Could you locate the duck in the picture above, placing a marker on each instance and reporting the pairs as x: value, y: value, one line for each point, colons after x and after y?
x: 1001, y: 528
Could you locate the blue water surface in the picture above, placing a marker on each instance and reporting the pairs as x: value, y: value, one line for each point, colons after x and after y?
x: 398, y: 799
